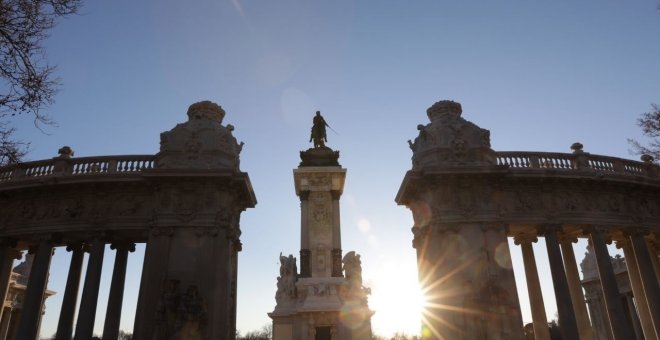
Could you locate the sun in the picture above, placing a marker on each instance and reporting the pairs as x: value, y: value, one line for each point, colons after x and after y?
x: 397, y: 300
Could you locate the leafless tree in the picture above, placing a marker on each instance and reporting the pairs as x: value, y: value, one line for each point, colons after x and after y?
x: 650, y: 124
x: 28, y: 83
x: 266, y: 333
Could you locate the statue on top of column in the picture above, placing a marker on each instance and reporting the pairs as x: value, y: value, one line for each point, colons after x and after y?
x: 318, y: 134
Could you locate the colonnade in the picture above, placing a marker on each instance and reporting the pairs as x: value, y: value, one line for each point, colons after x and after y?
x: 642, y: 262
x: 43, y: 249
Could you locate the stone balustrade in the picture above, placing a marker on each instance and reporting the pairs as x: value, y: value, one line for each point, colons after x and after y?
x: 575, y: 162
x: 62, y: 166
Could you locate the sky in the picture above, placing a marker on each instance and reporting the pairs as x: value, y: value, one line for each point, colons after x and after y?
x: 540, y: 75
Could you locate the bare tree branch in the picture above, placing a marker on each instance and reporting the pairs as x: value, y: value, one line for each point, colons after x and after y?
x: 27, y: 84
x: 650, y: 124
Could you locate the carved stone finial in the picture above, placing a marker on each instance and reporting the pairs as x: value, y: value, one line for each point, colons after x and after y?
x: 450, y: 140
x: 200, y: 143
x: 65, y: 152
x: 444, y: 108
x: 206, y: 110
x: 577, y: 147
x: 648, y: 159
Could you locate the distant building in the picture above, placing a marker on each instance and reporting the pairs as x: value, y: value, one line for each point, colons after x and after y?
x: 11, y: 310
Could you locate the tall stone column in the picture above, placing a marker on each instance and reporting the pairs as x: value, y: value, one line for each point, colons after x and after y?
x: 567, y: 322
x: 305, y: 250
x: 7, y: 256
x: 647, y: 276
x: 336, y: 235
x: 654, y: 249
x: 113, y: 312
x: 4, y: 322
x: 630, y: 307
x: 575, y: 287
x: 638, y: 290
x: 153, y: 281
x: 90, y: 294
x: 620, y: 328
x: 541, y: 330
x: 68, y: 310
x: 34, y: 293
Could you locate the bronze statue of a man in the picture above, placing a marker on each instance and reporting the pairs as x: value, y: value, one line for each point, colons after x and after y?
x: 318, y: 131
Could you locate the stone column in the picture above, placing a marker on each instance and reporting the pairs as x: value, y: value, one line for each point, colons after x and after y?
x: 541, y: 330
x: 632, y: 312
x: 153, y: 281
x: 336, y: 235
x: 68, y: 310
x: 90, y: 294
x: 28, y: 326
x: 4, y: 322
x: 113, y: 312
x: 654, y: 250
x: 638, y: 290
x: 619, y: 327
x: 305, y: 252
x: 647, y: 274
x: 567, y: 322
x: 575, y: 287
x: 7, y: 256
x: 12, y: 332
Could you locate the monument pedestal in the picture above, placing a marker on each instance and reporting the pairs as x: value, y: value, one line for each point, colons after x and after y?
x: 325, y: 301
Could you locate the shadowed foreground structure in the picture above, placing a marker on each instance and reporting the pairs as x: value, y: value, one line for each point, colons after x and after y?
x: 184, y: 203
x: 466, y: 199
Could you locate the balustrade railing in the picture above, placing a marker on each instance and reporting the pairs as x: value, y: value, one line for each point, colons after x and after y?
x: 575, y: 161
x: 136, y: 163
x: 77, y: 167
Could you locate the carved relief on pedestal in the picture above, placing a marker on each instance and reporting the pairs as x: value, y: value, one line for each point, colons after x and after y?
x: 179, y: 316
x: 320, y: 221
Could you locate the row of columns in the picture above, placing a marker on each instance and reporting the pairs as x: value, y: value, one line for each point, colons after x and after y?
x: 28, y: 326
x: 573, y: 317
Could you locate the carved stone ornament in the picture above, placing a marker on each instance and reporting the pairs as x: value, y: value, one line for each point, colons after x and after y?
x: 200, y: 143
x: 450, y: 140
x: 286, y: 282
x: 179, y: 315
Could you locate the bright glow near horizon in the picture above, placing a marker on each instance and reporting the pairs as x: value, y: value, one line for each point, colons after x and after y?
x: 396, y: 299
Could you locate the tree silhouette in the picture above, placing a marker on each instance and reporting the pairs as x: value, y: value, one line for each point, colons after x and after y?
x: 28, y: 84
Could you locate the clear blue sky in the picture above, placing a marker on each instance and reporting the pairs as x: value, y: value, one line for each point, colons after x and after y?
x: 539, y: 75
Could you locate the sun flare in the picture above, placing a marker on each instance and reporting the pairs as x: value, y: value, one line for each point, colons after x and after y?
x: 397, y: 300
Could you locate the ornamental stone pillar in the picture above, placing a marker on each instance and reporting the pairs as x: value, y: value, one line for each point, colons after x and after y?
x: 463, y: 258
x: 540, y: 320
x: 190, y: 263
x: 575, y: 287
x: 70, y: 298
x: 113, y: 312
x: 90, y: 293
x: 647, y: 275
x: 567, y: 321
x: 619, y: 327
x: 28, y: 327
